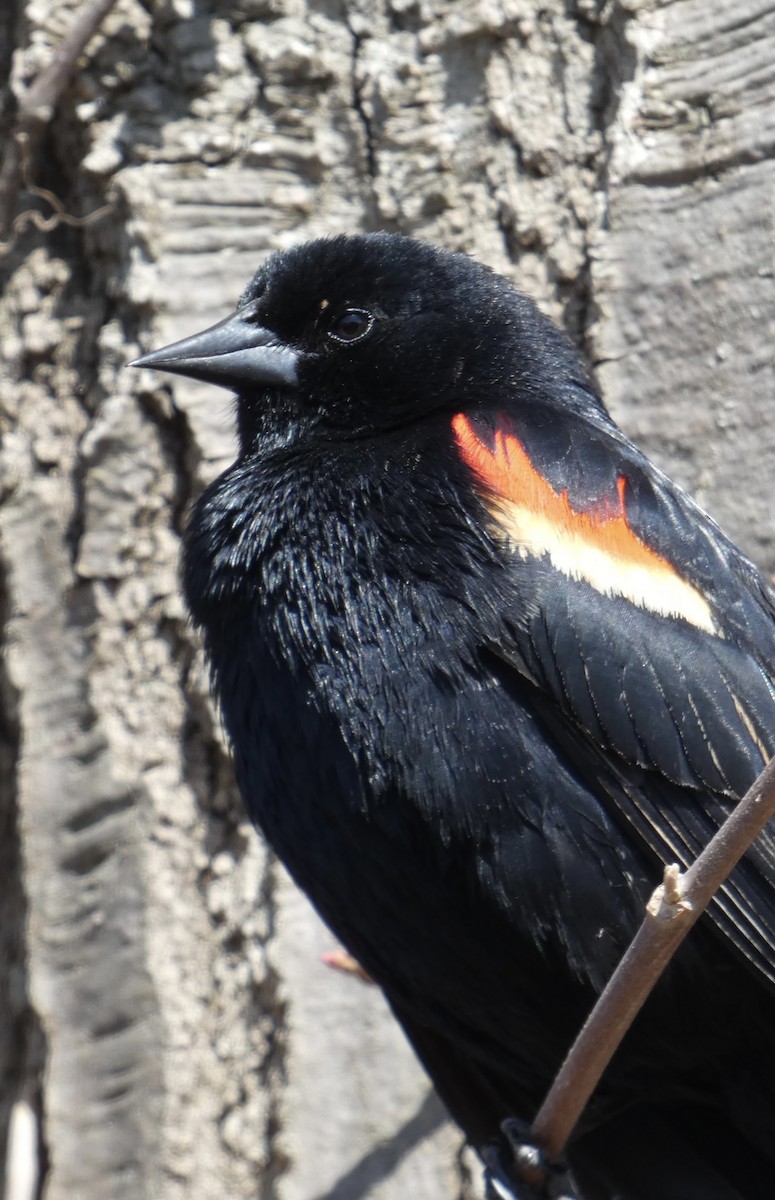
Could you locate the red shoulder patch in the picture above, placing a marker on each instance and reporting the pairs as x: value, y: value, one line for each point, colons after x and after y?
x: 596, y: 544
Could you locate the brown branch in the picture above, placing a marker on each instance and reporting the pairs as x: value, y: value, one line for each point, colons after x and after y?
x: 38, y: 104
x: 672, y: 910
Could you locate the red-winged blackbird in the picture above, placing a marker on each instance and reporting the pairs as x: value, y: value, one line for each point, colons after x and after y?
x: 484, y: 669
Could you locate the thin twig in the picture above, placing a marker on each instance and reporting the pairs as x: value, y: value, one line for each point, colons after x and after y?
x: 38, y: 104
x: 672, y: 910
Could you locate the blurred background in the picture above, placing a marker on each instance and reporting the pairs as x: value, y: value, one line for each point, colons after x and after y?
x: 167, y: 1026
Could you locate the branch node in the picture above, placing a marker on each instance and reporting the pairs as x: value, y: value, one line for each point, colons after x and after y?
x: 668, y: 900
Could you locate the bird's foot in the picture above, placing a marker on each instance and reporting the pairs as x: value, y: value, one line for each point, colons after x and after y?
x: 516, y: 1169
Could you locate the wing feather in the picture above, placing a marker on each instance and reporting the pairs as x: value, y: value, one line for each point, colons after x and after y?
x: 658, y: 667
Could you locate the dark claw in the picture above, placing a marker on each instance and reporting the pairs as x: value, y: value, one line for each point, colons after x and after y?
x: 517, y: 1169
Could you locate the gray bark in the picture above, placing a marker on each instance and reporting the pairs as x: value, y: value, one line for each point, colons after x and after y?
x: 166, y: 1026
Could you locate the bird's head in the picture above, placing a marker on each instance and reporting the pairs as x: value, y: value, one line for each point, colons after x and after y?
x: 356, y: 334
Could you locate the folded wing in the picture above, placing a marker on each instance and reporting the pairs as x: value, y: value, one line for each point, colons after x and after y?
x: 650, y: 637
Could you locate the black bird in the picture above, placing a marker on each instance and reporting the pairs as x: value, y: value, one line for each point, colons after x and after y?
x: 485, y: 669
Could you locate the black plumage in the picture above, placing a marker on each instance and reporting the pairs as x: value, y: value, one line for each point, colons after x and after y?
x: 484, y: 669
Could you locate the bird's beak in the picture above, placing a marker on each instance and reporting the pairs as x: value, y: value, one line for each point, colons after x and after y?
x: 231, y: 354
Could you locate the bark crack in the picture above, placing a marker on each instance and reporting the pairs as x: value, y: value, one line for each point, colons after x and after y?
x: 359, y: 104
x: 615, y: 63
x: 23, y: 1048
x: 274, y: 1066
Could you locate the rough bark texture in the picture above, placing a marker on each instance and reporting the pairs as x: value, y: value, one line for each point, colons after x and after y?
x: 166, y: 1027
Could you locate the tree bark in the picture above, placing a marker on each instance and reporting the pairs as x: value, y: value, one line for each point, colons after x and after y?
x: 167, y: 1029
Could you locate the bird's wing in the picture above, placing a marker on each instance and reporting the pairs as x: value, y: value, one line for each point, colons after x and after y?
x: 650, y: 638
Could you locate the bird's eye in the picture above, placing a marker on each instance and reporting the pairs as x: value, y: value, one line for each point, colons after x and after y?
x: 351, y: 326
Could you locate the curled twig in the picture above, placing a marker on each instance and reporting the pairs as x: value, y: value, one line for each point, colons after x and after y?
x: 31, y: 216
x: 35, y: 109
x: 671, y: 912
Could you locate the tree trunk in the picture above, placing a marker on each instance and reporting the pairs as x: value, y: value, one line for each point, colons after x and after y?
x: 167, y: 1029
